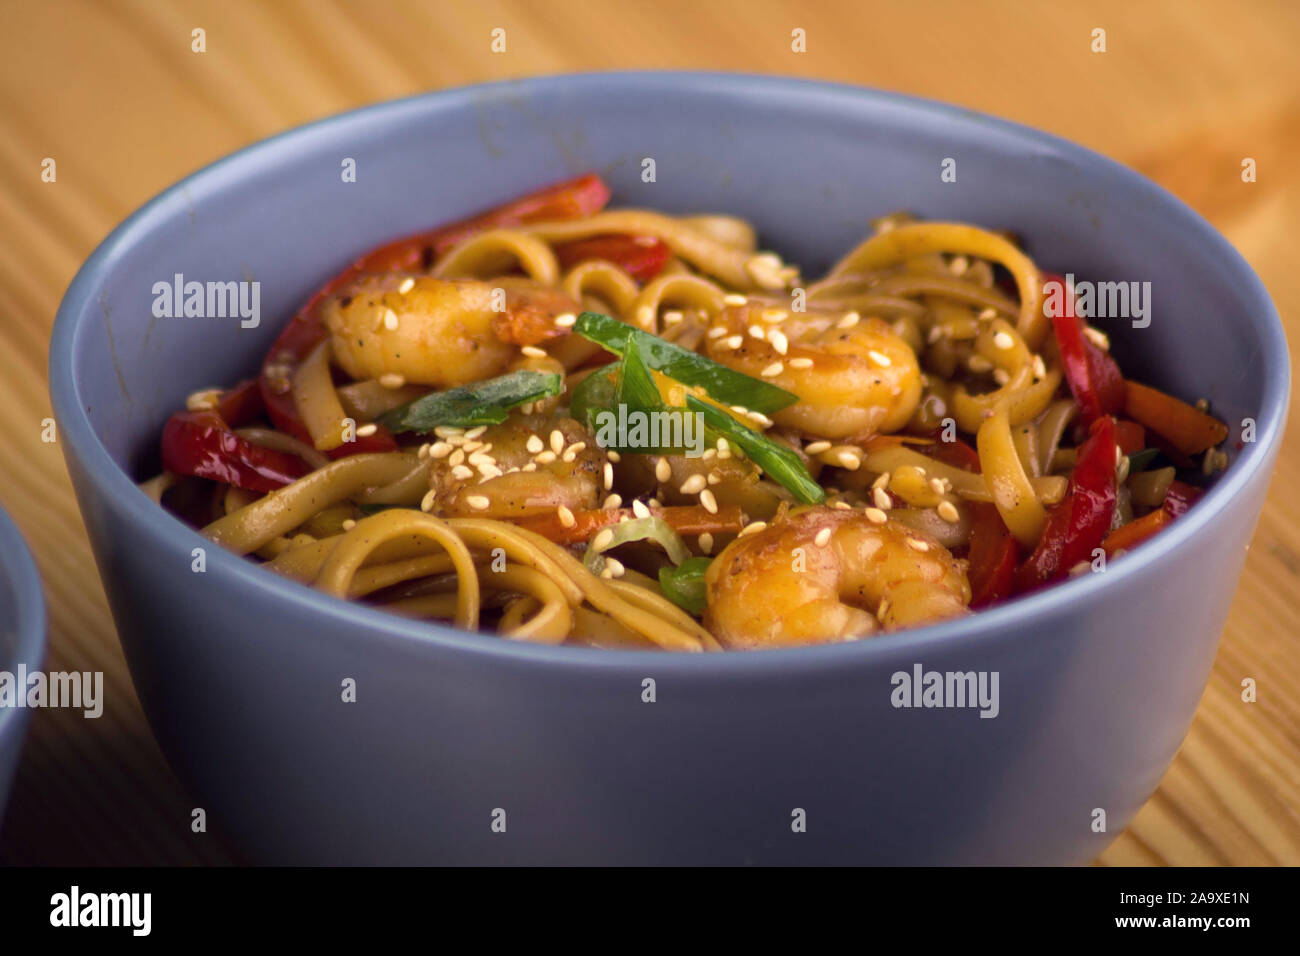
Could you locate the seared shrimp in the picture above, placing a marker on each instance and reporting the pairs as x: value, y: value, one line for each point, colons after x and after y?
x: 528, y: 465
x: 853, y: 375
x: 824, y: 575
x: 438, y: 332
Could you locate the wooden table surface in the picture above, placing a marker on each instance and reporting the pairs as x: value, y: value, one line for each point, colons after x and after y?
x: 113, y: 92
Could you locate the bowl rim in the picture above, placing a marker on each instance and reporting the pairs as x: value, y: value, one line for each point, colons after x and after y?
x: 378, y: 627
x: 19, y: 568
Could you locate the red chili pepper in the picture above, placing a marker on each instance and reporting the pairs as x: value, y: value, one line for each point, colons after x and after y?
x: 1078, y: 523
x: 573, y: 199
x: 1094, y: 377
x: 201, y: 444
x: 956, y: 453
x: 1130, y: 436
x: 241, y: 404
x: 641, y: 257
x: 1180, y: 497
x: 993, y: 555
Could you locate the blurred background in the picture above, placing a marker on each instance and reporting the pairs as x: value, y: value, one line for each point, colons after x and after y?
x: 114, y: 92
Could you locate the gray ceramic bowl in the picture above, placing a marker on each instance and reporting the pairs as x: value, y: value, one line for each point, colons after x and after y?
x: 22, y: 640
x: 240, y: 671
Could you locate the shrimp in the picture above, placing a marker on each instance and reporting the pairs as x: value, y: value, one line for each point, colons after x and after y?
x: 823, y: 575
x: 514, y: 470
x: 853, y: 376
x: 438, y: 332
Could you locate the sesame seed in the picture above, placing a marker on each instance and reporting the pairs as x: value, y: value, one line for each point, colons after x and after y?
x: 916, y: 544
x: 774, y: 315
x: 757, y: 332
x: 654, y: 502
x: 447, y: 431
x: 615, y: 567
x: 461, y: 473
x: 989, y: 313
x: 823, y: 537
x: 817, y: 447
x: 752, y: 528
x: 545, y: 458
x: 1097, y: 337
x: 673, y: 317
x: 717, y: 332
x: 391, y: 380
x: 1121, y: 473
x: 710, y: 503
x: 423, y: 453
x: 934, y: 335
x: 882, y: 481
x: 531, y: 466
x: 203, y: 401
x: 532, y: 351
x: 639, y: 509
x: 850, y: 319
x: 557, y: 441
x: 1040, y: 369
x: 613, y: 456
x: 457, y: 457
x: 478, y: 502
x: 566, y: 516
x: 714, y: 478
x: 534, y: 444
x: 602, y: 540
x: 723, y: 447
x: 1000, y: 376
x: 1003, y: 341
x: 365, y: 431
x: 732, y: 342
x: 609, y: 476
x: 848, y: 458
x: 948, y: 512
x: 349, y: 524
x: 882, y: 608
x: 426, y: 503
x: 613, y: 502
x: 407, y: 285
x: 841, y: 506
x: 876, y: 516
x: 606, y: 572
x: 663, y: 470
x: 693, y: 485
x: 880, y: 358
x: 881, y: 497
x: 773, y: 370
x: 706, y: 543
x: 959, y: 265
x: 936, y: 485
x: 779, y: 341
x: 979, y: 363
x: 566, y: 320
x: 801, y: 362
x: 489, y: 471
x: 734, y: 299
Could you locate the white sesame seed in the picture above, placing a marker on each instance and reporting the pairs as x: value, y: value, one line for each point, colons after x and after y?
x: 613, y: 502
x: 978, y: 363
x: 774, y: 315
x: 615, y: 567
x: 663, y: 470
x: 613, y: 456
x: 948, y: 512
x: 779, y: 341
x: 734, y: 299
x: 882, y: 608
x: 881, y: 497
x: 882, y: 481
x: 457, y: 457
x: 461, y: 473
x: 532, y: 351
x: 602, y: 540
x: 714, y: 478
x: 849, y: 320
x: 959, y: 265
x: 654, y: 502
x: 773, y: 370
x: 545, y: 457
x: 706, y: 543
x: 823, y: 537
x: 848, y: 458
x: 1001, y: 376
x: 448, y: 431
x: 1121, y: 474
x: 710, y: 503
x: 531, y: 466
x: 365, y: 431
x: 204, y: 400
x: 732, y: 342
x: 876, y: 516
x: 934, y: 335
x: 557, y: 441
x: 478, y: 502
x: 801, y: 361
x: 566, y: 516
x: 673, y: 317
x: 609, y: 476
x: 349, y: 524
x: 1040, y: 369
x: 639, y: 509
x: 606, y: 572
x: 817, y: 447
x: 390, y: 320
x: 407, y: 285
x: 693, y: 485
x: 534, y: 444
x: 566, y: 320
x: 989, y: 313
x: 723, y: 446
x: 426, y: 503
x: 757, y: 332
x: 752, y: 528
x: 936, y: 485
x: 717, y: 332
x: 916, y: 544
x: 841, y: 506
x: 880, y: 358
x: 1003, y: 341
x: 391, y: 380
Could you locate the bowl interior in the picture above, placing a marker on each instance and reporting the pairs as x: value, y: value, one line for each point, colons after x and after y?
x: 810, y: 164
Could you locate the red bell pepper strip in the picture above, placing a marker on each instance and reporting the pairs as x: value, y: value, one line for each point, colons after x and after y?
x: 1180, y: 497
x: 641, y: 257
x: 956, y: 453
x: 240, y: 404
x: 200, y: 444
x: 1078, y: 523
x: 993, y: 555
x: 1093, y: 376
x: 1130, y: 436
x: 573, y: 199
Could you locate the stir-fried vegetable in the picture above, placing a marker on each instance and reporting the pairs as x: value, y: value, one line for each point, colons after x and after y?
x: 200, y: 444
x: 636, y: 529
x: 684, y: 519
x: 722, y: 384
x: 993, y: 555
x: 684, y: 584
x: 1093, y: 376
x: 641, y: 257
x: 780, y: 463
x: 483, y: 403
x: 1188, y: 429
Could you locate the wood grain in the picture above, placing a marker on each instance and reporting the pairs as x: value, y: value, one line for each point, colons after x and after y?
x: 112, y: 91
